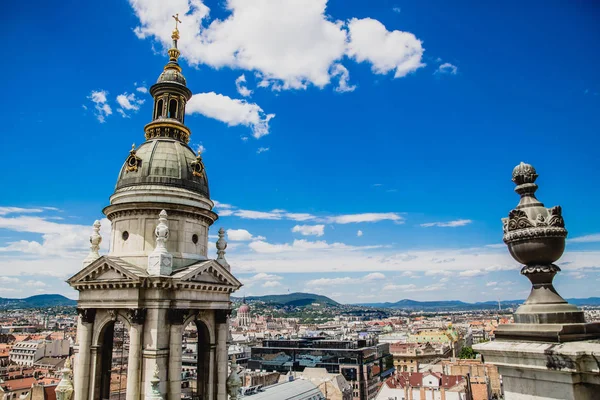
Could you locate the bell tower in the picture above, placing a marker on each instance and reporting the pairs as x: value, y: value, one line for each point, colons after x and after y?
x: 157, y: 277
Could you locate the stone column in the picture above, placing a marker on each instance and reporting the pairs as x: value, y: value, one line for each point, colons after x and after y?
x: 93, y: 379
x: 176, y: 319
x: 134, y: 361
x: 211, y: 371
x: 221, y: 364
x: 85, y: 329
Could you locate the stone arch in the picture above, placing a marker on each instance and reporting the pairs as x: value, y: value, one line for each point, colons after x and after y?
x: 206, y: 320
x: 197, y: 359
x: 103, y: 318
x: 110, y: 327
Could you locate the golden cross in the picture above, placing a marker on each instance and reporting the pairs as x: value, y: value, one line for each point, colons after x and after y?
x: 176, y: 18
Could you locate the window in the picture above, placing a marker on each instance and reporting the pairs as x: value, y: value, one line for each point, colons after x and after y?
x: 159, y: 107
x: 173, y: 108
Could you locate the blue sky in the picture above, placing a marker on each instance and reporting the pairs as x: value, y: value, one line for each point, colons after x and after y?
x: 373, y: 117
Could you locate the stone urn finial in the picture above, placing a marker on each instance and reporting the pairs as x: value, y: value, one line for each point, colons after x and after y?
x: 64, y: 389
x: 160, y: 262
x: 154, y: 385
x: 95, y: 240
x: 221, y: 246
x: 535, y: 236
x: 234, y: 382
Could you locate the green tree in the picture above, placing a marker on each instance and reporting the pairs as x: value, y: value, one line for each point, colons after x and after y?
x: 467, y: 352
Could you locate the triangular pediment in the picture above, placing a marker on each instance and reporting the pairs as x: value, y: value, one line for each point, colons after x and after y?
x: 108, y: 270
x: 210, y: 272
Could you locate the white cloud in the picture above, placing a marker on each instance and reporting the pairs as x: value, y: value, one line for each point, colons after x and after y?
x: 288, y: 44
x: 19, y: 210
x: 344, y: 76
x: 448, y: 224
x: 586, y: 239
x: 321, y: 282
x: 491, y: 284
x: 386, y: 51
x: 303, y: 246
x: 309, y: 230
x: 9, y: 280
x: 408, y: 287
x: 271, y: 284
x: 359, y: 233
x: 38, y: 284
x: 374, y: 276
x: 447, y: 68
x: 262, y: 150
x: 414, y: 288
x: 99, y: 98
x: 250, y: 214
x: 577, y: 275
x: 240, y: 85
x: 58, y: 239
x: 128, y: 102
x: 471, y: 273
x: 365, y: 217
x: 261, y: 277
x: 241, y: 235
x: 142, y: 89
x: 397, y: 10
x: 233, y: 112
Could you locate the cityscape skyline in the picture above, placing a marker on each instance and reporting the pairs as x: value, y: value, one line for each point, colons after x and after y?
x: 331, y: 177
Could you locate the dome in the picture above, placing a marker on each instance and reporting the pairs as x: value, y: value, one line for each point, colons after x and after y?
x: 171, y: 75
x: 165, y: 162
x: 244, y: 308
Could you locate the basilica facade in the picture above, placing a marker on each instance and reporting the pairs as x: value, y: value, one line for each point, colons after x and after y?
x: 157, y: 277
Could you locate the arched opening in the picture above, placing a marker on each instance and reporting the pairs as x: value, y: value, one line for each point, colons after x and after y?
x: 159, y: 108
x: 195, y: 361
x: 111, y: 380
x: 173, y: 108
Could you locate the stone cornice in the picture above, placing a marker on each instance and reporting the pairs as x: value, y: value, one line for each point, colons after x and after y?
x: 143, y: 209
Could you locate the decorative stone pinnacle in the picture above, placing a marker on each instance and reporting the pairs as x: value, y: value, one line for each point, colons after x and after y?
x: 64, y: 390
x: 154, y: 385
x: 160, y: 262
x: 221, y: 246
x: 95, y: 240
x: 535, y: 236
x: 234, y: 381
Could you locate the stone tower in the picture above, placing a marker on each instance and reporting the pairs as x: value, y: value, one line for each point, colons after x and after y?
x: 157, y: 277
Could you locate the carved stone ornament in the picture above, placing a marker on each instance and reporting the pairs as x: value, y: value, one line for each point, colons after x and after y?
x: 537, y: 269
x: 112, y: 315
x: 137, y: 315
x: 533, y: 233
x: 198, y: 166
x: 133, y: 162
x: 160, y: 261
x: 87, y: 315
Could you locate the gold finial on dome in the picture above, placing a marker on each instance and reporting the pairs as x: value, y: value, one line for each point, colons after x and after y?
x: 173, y: 51
x: 175, y: 35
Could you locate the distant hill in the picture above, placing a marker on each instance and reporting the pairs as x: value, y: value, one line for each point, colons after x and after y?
x: 293, y: 299
x: 460, y: 305
x: 39, y: 301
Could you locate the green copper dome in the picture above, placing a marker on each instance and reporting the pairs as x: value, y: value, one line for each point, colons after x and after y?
x: 171, y: 76
x: 164, y: 162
